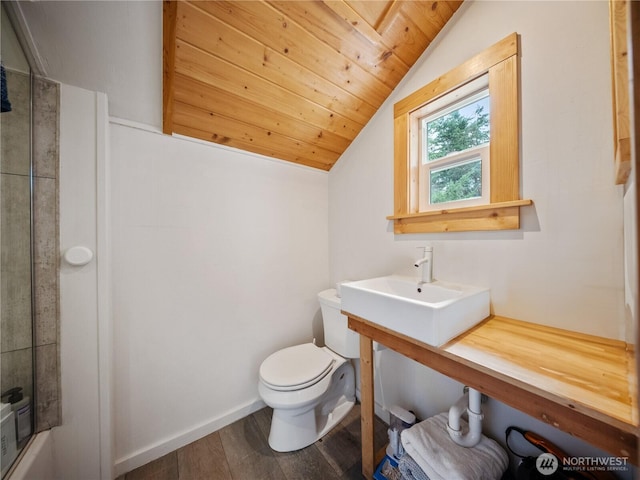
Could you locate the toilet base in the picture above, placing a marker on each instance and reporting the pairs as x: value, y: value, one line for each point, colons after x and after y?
x: 293, y: 429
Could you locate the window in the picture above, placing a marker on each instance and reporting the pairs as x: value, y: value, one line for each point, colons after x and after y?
x: 456, y: 143
x: 453, y: 150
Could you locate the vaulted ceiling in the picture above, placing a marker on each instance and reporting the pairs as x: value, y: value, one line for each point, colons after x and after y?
x: 294, y: 80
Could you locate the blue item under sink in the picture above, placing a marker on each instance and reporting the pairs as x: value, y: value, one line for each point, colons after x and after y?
x: 378, y: 475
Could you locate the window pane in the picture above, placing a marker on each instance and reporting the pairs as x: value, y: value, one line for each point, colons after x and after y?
x: 457, y: 130
x: 460, y: 181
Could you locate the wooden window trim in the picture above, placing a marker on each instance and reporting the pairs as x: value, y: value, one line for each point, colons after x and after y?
x: 618, y: 13
x: 501, y: 62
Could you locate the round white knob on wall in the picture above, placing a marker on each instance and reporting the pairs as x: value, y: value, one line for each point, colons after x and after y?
x: 78, y: 256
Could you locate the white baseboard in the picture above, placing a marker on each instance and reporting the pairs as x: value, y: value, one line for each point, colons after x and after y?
x: 168, y: 445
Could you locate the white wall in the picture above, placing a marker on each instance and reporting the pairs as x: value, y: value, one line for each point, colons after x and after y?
x: 78, y: 441
x: 631, y: 254
x: 217, y: 260
x: 111, y: 47
x: 564, y: 267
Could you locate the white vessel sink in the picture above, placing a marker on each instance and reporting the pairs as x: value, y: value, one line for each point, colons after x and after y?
x: 435, y: 315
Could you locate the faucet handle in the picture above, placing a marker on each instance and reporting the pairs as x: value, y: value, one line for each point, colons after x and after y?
x: 427, y: 248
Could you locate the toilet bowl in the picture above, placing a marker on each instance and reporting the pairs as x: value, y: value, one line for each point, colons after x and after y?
x: 310, y: 388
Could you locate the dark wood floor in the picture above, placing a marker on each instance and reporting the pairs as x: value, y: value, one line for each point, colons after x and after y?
x: 240, y: 452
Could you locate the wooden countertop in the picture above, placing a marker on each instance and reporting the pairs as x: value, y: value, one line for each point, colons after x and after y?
x: 595, y: 372
x: 581, y: 384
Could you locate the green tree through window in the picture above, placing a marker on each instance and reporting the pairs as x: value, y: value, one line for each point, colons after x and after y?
x: 458, y: 182
x: 459, y: 130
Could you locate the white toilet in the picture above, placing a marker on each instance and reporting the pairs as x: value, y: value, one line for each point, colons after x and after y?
x: 311, y: 388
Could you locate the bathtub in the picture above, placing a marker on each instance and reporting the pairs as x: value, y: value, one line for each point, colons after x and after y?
x: 36, y: 462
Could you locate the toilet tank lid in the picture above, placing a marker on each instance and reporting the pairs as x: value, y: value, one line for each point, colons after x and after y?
x: 329, y: 297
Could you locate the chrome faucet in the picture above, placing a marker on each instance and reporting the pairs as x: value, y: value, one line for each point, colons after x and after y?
x: 427, y: 266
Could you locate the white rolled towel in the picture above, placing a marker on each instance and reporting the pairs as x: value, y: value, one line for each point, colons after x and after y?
x: 430, y: 445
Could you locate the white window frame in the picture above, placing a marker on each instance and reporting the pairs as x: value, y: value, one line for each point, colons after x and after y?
x: 451, y: 101
x: 454, y: 160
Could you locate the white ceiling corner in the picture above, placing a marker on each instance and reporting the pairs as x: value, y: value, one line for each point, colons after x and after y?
x: 113, y: 47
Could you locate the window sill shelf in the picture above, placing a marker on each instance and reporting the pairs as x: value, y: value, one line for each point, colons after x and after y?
x: 495, y: 216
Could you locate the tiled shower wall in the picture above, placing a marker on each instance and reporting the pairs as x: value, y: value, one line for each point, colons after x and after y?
x: 46, y: 105
x: 18, y: 335
x: 15, y: 331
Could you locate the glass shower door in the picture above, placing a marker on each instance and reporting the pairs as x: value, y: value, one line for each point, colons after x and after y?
x: 16, y: 326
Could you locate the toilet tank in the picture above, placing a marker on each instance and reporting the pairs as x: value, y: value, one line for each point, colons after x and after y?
x: 337, y: 335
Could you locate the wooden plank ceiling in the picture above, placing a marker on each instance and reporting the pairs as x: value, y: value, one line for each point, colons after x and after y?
x: 294, y: 80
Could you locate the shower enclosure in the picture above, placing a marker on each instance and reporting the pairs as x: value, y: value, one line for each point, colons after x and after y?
x: 16, y: 303
x: 29, y: 365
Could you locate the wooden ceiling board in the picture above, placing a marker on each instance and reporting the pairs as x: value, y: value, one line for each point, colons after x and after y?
x: 351, y: 17
x: 371, y: 12
x: 390, y: 14
x: 270, y: 27
x: 239, y: 144
x: 324, y: 22
x: 294, y: 80
x: 198, y: 65
x: 435, y: 13
x: 278, y: 145
x: 410, y: 39
x: 242, y: 51
x: 215, y: 100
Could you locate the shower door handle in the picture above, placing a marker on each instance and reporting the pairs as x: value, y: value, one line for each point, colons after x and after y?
x: 78, y: 256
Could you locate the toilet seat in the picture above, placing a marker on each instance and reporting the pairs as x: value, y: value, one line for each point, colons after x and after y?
x: 295, y: 368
